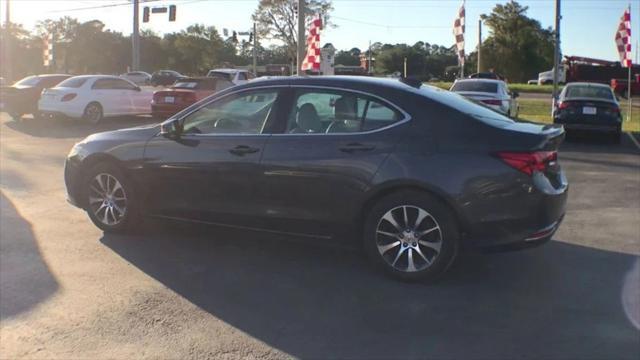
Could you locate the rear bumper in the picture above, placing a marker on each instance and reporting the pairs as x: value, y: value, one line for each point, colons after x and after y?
x: 525, y: 220
x: 54, y: 108
x: 165, y: 110
x: 592, y: 127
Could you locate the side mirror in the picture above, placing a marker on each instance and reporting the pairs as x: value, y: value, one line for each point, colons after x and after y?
x: 515, y: 94
x: 171, y: 128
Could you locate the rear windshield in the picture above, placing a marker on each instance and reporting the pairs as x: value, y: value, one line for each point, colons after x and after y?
x: 194, y: 84
x: 466, y: 106
x: 29, y: 81
x: 479, y: 86
x: 595, y: 92
x: 72, y: 82
x: 218, y: 74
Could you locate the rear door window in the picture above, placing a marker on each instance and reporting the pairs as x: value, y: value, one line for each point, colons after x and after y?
x: 334, y: 112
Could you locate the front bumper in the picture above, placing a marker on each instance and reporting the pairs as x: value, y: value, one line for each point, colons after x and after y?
x: 71, y: 181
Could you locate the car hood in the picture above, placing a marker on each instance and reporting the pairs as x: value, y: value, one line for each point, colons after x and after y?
x: 143, y: 132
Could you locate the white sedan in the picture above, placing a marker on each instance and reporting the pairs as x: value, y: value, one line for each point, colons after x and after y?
x: 492, y: 93
x: 94, y: 97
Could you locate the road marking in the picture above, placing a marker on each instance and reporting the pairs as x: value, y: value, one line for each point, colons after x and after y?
x: 633, y: 138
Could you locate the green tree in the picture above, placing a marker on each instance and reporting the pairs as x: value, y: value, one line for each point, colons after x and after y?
x: 277, y: 19
x: 346, y: 58
x: 518, y: 46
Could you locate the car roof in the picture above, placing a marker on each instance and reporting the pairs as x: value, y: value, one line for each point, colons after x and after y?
x: 53, y: 75
x: 587, y: 84
x: 228, y: 71
x: 481, y: 80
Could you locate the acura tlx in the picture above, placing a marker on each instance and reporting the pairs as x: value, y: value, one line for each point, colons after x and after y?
x: 415, y: 173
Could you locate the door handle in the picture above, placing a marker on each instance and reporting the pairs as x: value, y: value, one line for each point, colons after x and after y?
x: 353, y: 147
x: 241, y: 150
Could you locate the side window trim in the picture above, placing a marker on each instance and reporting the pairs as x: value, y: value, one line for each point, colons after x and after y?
x: 369, y: 96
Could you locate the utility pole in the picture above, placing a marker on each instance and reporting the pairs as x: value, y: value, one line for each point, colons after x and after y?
x: 7, y: 45
x: 479, y: 43
x: 369, y: 69
x: 556, y: 53
x: 255, y: 50
x: 135, y: 37
x: 301, y: 40
x: 405, y: 67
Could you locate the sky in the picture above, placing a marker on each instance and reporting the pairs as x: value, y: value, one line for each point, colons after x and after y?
x: 587, y: 27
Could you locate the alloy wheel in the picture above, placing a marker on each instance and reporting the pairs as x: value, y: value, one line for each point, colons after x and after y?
x: 93, y: 113
x: 408, y: 238
x: 107, y: 199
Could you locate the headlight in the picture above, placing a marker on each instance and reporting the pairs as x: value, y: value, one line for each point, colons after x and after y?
x: 78, y: 151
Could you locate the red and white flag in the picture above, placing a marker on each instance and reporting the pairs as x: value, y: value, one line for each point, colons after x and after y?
x: 312, y: 59
x: 458, y: 32
x: 47, y: 50
x: 623, y: 39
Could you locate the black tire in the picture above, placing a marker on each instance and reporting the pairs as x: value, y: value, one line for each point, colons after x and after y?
x: 125, y: 214
x: 375, y: 236
x: 93, y: 113
x: 16, y: 116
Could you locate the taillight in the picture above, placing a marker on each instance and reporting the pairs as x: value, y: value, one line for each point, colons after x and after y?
x: 493, y: 102
x: 69, y: 97
x: 528, y: 162
x: 563, y: 105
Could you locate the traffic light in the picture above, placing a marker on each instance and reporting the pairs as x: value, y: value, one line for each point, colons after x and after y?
x: 145, y: 14
x: 234, y: 37
x: 250, y: 36
x: 172, y: 13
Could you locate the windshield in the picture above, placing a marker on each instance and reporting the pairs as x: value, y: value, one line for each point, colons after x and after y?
x: 74, y: 82
x: 479, y: 86
x: 29, y: 81
x: 595, y: 92
x: 466, y: 106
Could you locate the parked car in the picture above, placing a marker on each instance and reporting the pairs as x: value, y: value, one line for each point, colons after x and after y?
x: 416, y: 172
x: 589, y: 107
x: 22, y: 97
x: 184, y: 93
x: 492, y: 93
x: 165, y: 77
x: 137, y: 77
x: 236, y: 76
x: 532, y: 82
x: 93, y: 97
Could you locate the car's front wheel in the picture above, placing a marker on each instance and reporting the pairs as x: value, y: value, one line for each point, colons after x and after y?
x: 110, y: 198
x: 411, y: 235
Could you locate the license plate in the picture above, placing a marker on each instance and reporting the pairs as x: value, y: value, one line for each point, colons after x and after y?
x: 169, y: 99
x: 589, y: 110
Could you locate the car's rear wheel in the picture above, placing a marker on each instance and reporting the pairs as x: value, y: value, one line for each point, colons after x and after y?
x: 110, y: 198
x: 411, y: 235
x: 93, y: 113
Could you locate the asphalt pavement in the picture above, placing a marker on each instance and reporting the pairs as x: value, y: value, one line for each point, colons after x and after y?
x: 175, y: 291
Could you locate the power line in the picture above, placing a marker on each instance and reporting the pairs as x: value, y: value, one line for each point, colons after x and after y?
x: 100, y: 6
x: 391, y: 26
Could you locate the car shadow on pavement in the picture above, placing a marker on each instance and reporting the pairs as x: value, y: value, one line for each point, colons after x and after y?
x: 314, y: 301
x: 25, y: 279
x: 70, y: 128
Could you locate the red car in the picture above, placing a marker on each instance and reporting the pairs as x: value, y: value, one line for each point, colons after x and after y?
x: 184, y: 93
